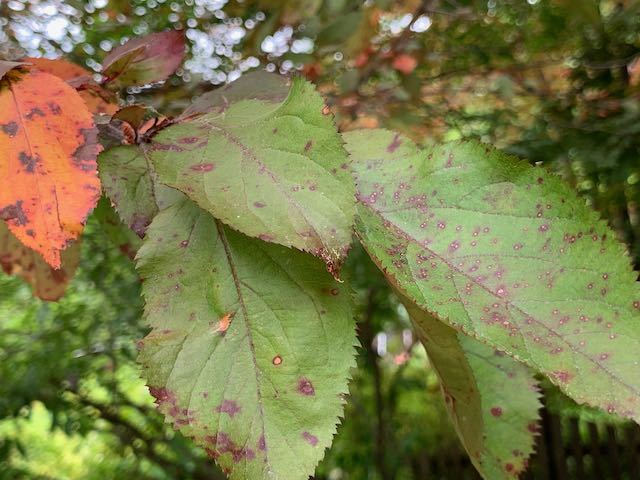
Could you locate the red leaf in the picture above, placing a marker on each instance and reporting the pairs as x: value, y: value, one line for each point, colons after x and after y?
x: 149, y: 59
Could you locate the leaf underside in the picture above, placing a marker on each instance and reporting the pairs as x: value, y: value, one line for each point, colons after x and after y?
x: 492, y: 399
x: 49, y: 147
x: 145, y: 60
x: 46, y: 283
x: 251, y: 344
x: 507, y: 253
x: 270, y: 165
x: 129, y: 181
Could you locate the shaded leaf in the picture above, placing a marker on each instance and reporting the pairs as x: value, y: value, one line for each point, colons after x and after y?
x: 46, y: 282
x: 7, y: 66
x: 117, y: 232
x: 270, y: 165
x: 49, y: 146
x: 130, y: 182
x: 97, y: 99
x: 145, y: 60
x: 233, y: 363
x: 507, y: 253
x: 492, y: 399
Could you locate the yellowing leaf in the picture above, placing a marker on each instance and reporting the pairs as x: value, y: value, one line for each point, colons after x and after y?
x: 48, y: 149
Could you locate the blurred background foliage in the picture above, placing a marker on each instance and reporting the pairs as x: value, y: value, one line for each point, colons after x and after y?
x: 554, y: 81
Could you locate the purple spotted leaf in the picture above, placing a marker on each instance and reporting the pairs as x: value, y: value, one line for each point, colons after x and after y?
x: 269, y: 164
x: 145, y: 60
x: 507, y: 253
x: 130, y: 182
x: 254, y: 378
x: 492, y: 399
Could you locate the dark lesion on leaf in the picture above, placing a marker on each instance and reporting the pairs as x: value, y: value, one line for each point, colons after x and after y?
x: 85, y: 155
x: 305, y: 387
x: 29, y: 162
x: 34, y: 112
x: 54, y: 108
x: 10, y: 128
x: 14, y: 212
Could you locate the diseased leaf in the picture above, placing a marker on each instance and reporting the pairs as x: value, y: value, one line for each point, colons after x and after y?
x: 492, y: 399
x: 130, y: 182
x: 507, y: 253
x: 270, y: 165
x: 251, y: 344
x: 48, y: 146
x: 97, y: 99
x: 145, y: 60
x: 46, y: 282
x: 117, y: 232
x: 7, y: 66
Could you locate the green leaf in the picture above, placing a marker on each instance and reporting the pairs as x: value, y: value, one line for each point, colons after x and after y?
x: 129, y: 181
x: 507, y: 253
x: 145, y: 60
x: 270, y: 165
x: 492, y: 400
x: 251, y: 344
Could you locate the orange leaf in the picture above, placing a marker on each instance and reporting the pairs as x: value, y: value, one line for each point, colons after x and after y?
x: 48, y: 149
x: 98, y: 99
x: 46, y: 283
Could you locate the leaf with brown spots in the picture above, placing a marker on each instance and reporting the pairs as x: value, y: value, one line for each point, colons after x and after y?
x: 507, y: 253
x: 46, y: 282
x: 492, y: 399
x: 48, y: 162
x: 268, y: 164
x: 254, y: 377
x: 145, y: 60
x: 97, y: 99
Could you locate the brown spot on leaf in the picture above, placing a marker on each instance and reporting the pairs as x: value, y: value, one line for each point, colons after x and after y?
x: 188, y: 140
x: 229, y: 407
x: 496, y: 411
x: 28, y: 162
x: 222, y: 444
x: 305, y: 387
x: 308, y: 145
x: 34, y: 112
x: 202, y: 167
x: 10, y: 128
x: 395, y: 143
x: 310, y: 439
x: 84, y: 157
x: 14, y: 212
x: 259, y: 204
x: 223, y: 324
x: 277, y: 360
x: 54, y: 108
